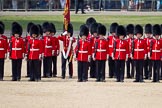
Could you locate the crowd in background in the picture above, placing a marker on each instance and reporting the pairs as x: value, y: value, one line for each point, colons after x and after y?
x: 88, y: 4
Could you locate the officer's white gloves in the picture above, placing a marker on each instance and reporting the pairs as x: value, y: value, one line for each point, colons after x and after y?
x: 65, y: 33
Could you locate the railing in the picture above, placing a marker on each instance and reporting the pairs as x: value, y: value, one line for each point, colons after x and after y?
x: 57, y: 5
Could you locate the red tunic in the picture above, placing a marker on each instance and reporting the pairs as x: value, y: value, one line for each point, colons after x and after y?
x: 16, y: 48
x: 83, y: 51
x: 122, y: 49
x: 3, y: 47
x: 35, y: 49
x: 140, y: 49
x: 102, y: 49
x: 66, y: 41
x: 111, y: 40
x: 156, y: 49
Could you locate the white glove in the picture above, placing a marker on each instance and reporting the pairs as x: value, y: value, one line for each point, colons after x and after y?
x: 71, y: 38
x: 113, y: 56
x: 145, y: 56
x: 53, y: 52
x: 126, y: 57
x: 93, y: 56
x: 58, y: 52
x: 89, y: 58
x: 65, y: 33
x: 148, y: 54
x: 26, y: 57
x: 6, y: 55
x: 107, y: 56
x: 40, y: 56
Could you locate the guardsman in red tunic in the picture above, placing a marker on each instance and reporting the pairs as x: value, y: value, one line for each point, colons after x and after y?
x: 67, y: 52
x: 140, y: 53
x: 121, y: 53
x: 130, y: 40
x: 82, y: 54
x: 30, y: 24
x: 94, y: 36
x: 147, y: 63
x: 89, y: 22
x: 16, y: 51
x: 47, y: 54
x: 155, y: 53
x: 3, y: 51
x: 100, y: 53
x: 35, y: 50
x: 111, y: 39
x: 55, y: 51
x: 161, y: 60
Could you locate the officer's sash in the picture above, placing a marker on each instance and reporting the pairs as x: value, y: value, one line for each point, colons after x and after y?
x: 65, y: 55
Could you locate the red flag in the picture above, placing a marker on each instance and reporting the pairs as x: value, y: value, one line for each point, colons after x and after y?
x: 66, y: 14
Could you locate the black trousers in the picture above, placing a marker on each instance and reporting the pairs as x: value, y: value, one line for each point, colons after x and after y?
x: 34, y: 68
x: 111, y: 67
x: 1, y: 68
x: 120, y: 69
x: 82, y: 70
x: 92, y: 69
x: 130, y: 74
x: 28, y: 72
x: 47, y: 66
x: 156, y: 70
x: 79, y: 3
x: 64, y: 67
x: 139, y: 70
x: 161, y: 70
x: 16, y: 69
x: 54, y: 62
x: 148, y: 68
x: 100, y: 69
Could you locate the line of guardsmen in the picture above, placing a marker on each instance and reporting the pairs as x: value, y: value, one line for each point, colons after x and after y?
x: 142, y: 53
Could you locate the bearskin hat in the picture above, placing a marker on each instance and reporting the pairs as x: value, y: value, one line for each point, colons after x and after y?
x: 130, y: 29
x: 113, y: 27
x: 70, y: 29
x: 46, y: 27
x: 148, y: 28
x: 121, y: 31
x: 34, y: 30
x: 16, y: 28
x: 40, y: 29
x: 138, y: 29
x: 53, y: 28
x: 84, y: 31
x: 156, y: 29
x: 101, y: 30
x: 30, y: 24
x: 93, y: 28
x: 90, y: 21
x: 2, y: 27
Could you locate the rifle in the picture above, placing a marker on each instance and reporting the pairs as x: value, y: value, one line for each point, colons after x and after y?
x: 95, y: 47
x: 78, y: 47
x: 114, y: 45
x: 132, y: 47
x: 151, y: 44
x: 10, y: 44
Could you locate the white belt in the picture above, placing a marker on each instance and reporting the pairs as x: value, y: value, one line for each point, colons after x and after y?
x: 48, y: 46
x: 120, y: 49
x: 156, y: 51
x: 16, y: 48
x: 83, y: 51
x: 138, y: 49
x: 110, y: 46
x: 1, y: 48
x: 34, y: 49
x: 101, y: 50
